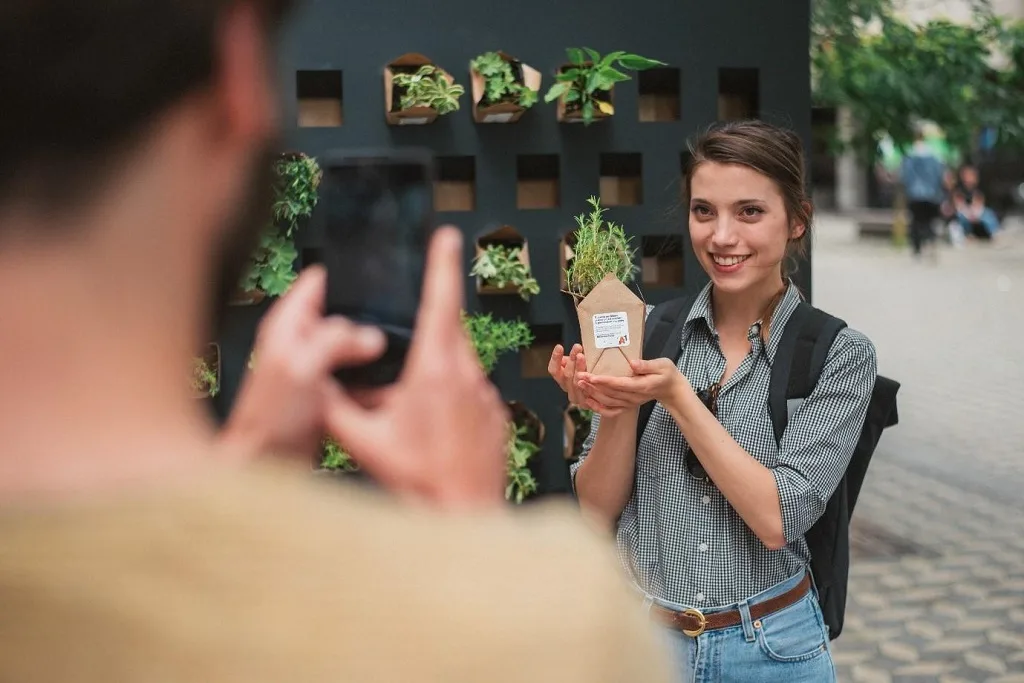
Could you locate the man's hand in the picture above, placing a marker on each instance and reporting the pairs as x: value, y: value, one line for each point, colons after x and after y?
x: 440, y: 433
x: 280, y: 407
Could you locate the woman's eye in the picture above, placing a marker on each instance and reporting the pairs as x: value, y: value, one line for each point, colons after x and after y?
x: 701, y: 210
x: 752, y: 211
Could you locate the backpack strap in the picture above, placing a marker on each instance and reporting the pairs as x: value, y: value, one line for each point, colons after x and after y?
x: 799, y: 360
x: 662, y: 334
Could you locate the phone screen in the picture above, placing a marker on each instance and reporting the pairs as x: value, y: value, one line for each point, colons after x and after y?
x: 376, y: 215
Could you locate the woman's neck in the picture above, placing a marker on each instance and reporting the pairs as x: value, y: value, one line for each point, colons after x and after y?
x: 737, y: 311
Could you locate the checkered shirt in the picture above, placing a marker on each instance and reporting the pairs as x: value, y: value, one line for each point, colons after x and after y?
x: 678, y: 537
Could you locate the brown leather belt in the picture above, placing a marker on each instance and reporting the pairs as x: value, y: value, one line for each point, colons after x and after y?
x: 693, y: 623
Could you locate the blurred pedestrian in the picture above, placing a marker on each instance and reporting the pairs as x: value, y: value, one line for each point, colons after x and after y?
x: 921, y: 174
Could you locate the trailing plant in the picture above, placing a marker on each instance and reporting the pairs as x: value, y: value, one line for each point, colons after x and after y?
x: 272, y: 268
x: 428, y: 86
x: 500, y: 81
x: 204, y: 378
x: 589, y: 74
x: 601, y: 247
x: 500, y: 266
x: 521, y: 482
x: 493, y: 338
x: 335, y: 458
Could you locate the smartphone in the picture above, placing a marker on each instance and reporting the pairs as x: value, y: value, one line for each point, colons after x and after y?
x: 375, y: 216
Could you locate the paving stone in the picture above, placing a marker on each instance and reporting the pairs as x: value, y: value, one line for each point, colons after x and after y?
x: 929, y: 670
x: 869, y: 674
x: 924, y: 629
x: 953, y: 645
x: 1006, y: 638
x: 901, y: 652
x: 985, y: 662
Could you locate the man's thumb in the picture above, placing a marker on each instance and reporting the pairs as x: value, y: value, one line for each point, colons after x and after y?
x: 346, y: 421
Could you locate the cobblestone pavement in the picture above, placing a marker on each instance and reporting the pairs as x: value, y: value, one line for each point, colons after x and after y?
x: 937, y: 583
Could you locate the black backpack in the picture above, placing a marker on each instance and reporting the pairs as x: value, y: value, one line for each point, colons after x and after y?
x: 802, y: 351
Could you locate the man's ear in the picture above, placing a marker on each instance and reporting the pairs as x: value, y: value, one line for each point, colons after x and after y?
x: 244, y: 77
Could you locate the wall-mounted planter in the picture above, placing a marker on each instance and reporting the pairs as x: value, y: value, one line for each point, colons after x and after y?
x: 572, y: 112
x: 576, y: 422
x: 242, y: 297
x: 522, y: 416
x: 509, y: 241
x: 394, y: 112
x: 206, y: 372
x: 565, y: 255
x: 508, y: 109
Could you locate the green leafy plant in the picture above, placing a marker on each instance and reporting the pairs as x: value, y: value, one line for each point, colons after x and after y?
x: 601, y: 247
x: 585, y: 83
x: 581, y: 419
x: 272, y: 268
x: 500, y: 266
x: 428, y: 86
x: 493, y: 338
x: 204, y: 378
x: 521, y: 482
x: 335, y: 458
x: 501, y: 83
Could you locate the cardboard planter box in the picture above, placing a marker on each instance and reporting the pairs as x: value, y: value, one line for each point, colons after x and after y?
x: 503, y: 112
x: 524, y: 417
x: 566, y: 116
x: 576, y: 430
x: 612, y: 327
x: 506, y: 236
x: 407, y: 63
x: 242, y: 297
x: 211, y: 356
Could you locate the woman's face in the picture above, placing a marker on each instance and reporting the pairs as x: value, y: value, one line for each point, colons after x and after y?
x: 738, y: 227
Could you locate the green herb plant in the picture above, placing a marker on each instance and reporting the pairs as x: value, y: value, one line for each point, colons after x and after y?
x: 272, y: 268
x: 428, y: 87
x: 602, y: 247
x: 521, y: 482
x: 500, y: 81
x: 581, y: 419
x: 500, y: 266
x: 204, y: 378
x: 335, y: 458
x: 585, y: 82
x: 493, y: 338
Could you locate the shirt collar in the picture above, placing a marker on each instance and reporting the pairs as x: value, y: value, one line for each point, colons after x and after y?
x: 702, y: 310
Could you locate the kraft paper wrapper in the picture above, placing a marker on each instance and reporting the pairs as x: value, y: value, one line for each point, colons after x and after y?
x: 504, y: 112
x: 611, y: 296
x: 415, y: 115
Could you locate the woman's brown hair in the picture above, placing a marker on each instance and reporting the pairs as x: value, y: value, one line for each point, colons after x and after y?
x: 772, y: 151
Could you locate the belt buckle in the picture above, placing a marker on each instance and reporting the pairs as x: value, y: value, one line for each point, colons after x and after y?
x: 701, y: 620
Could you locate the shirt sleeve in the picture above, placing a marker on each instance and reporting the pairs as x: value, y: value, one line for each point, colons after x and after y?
x: 822, y: 433
x: 588, y: 443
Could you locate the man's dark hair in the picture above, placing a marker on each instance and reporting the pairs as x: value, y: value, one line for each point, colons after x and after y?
x: 81, y: 80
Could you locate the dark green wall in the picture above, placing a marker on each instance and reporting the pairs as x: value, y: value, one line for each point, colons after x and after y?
x: 694, y: 36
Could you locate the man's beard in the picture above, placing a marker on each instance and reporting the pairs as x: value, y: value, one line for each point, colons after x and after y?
x: 242, y: 237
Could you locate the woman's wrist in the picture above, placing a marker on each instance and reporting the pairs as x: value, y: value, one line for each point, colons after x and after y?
x: 682, y: 398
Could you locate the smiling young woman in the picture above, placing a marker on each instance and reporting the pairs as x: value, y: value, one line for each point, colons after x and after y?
x: 709, y: 510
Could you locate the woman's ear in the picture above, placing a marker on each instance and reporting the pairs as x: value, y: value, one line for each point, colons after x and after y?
x: 797, y: 231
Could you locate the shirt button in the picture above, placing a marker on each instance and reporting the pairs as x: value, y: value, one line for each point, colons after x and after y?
x: 706, y: 499
x: 700, y: 597
x: 703, y: 547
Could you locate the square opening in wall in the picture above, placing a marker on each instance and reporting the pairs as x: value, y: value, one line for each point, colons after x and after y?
x: 311, y: 256
x: 659, y: 95
x: 622, y: 179
x: 661, y: 261
x: 455, y: 187
x: 738, y: 94
x: 535, y: 358
x: 537, y: 181
x: 319, y: 98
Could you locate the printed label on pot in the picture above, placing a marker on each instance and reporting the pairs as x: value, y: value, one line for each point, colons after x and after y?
x: 611, y: 330
x: 498, y: 118
x: 413, y: 122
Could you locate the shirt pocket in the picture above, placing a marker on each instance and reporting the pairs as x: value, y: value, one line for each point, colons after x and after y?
x: 794, y: 634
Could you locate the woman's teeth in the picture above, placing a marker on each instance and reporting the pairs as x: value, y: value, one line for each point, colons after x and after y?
x: 728, y: 260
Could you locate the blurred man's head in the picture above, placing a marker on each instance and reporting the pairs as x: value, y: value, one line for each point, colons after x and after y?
x: 160, y: 113
x: 969, y: 176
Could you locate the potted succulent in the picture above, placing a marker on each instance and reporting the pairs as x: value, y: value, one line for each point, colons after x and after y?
x: 584, y: 86
x: 493, y: 338
x: 206, y: 372
x: 416, y: 91
x: 502, y: 264
x: 272, y: 266
x: 611, y: 316
x: 526, y: 434
x: 503, y: 87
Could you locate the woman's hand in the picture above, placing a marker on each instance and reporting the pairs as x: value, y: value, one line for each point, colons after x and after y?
x: 566, y: 371
x: 653, y: 380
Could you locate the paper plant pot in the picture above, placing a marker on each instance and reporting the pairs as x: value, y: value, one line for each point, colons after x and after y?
x: 612, y: 327
x: 575, y: 116
x: 524, y: 417
x: 503, y: 112
x: 413, y: 115
x: 510, y: 237
x: 575, y: 433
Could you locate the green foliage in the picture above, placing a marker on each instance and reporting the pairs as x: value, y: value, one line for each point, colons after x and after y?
x: 493, y: 338
x: 499, y: 266
x: 204, y: 378
x: 334, y: 457
x: 601, y: 247
x: 428, y: 87
x: 584, y: 78
x: 521, y: 482
x: 272, y: 268
x: 581, y: 420
x: 500, y: 82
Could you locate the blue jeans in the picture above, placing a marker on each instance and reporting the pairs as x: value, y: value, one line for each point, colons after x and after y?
x: 787, y: 646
